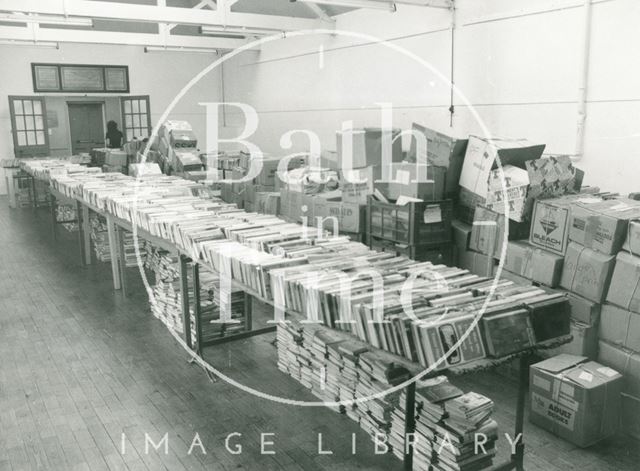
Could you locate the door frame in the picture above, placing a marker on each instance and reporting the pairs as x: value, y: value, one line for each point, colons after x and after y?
x: 103, y: 106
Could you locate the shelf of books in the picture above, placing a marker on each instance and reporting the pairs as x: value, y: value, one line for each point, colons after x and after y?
x: 369, y: 320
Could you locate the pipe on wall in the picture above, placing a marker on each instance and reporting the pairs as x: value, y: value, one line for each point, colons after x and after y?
x: 583, y: 81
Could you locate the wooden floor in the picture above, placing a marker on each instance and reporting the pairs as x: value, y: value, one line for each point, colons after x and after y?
x: 80, y: 366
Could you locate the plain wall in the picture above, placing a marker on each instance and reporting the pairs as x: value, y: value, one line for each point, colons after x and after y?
x: 517, y: 68
x: 160, y: 75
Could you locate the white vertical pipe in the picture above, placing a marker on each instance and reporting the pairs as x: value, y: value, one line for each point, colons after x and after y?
x: 583, y: 80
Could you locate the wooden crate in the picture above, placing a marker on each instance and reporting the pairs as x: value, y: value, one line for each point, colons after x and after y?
x: 416, y: 223
x: 434, y: 253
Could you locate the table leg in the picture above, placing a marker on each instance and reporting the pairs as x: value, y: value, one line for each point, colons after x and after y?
x: 196, y: 306
x: 113, y: 251
x: 85, y: 226
x: 122, y: 261
x: 81, y: 241
x: 518, y: 456
x: 34, y: 194
x: 248, y: 312
x: 184, y: 288
x: 54, y: 218
x: 409, y: 424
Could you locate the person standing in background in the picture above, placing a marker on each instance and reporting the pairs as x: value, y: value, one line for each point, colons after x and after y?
x: 114, y: 135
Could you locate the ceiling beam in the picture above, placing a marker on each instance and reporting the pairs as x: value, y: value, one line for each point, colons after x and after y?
x: 159, y: 14
x: 109, y: 37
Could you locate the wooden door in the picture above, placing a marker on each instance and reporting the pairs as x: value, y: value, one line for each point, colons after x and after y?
x: 29, y: 126
x: 86, y: 126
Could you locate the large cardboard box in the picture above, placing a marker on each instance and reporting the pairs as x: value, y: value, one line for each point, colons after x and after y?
x: 550, y: 224
x: 477, y: 263
x: 442, y: 151
x: 461, y: 234
x: 587, y: 272
x: 487, y: 232
x: 631, y: 415
x: 424, y: 182
x: 482, y: 155
x: 620, y: 327
x: 584, y: 342
x: 268, y: 203
x: 602, y: 225
x: 553, y: 176
x: 349, y: 217
x: 514, y: 182
x: 116, y: 158
x: 625, y: 282
x: 533, y: 263
x: 632, y: 241
x: 584, y: 310
x: 625, y: 361
x: 507, y: 275
x: 575, y: 399
x: 367, y: 147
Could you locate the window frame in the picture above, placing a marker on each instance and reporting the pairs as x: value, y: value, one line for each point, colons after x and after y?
x: 125, y: 128
x: 35, y: 149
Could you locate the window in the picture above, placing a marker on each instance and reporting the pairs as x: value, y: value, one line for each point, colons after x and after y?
x: 29, y: 125
x: 137, y: 121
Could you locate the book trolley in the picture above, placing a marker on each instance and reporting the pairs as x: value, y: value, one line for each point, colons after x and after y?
x: 116, y: 227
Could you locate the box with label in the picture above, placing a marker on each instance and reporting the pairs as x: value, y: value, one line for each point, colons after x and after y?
x: 627, y: 362
x: 550, y: 224
x: 553, y: 176
x: 602, y: 225
x: 425, y: 182
x: 512, y: 182
x: 442, y: 151
x: 438, y: 338
x: 620, y: 327
x: 359, y: 148
x: 533, y: 263
x: 584, y: 342
x: 348, y: 216
x: 482, y: 155
x: 576, y: 399
x: 587, y: 272
x: 487, y: 232
x: 625, y: 282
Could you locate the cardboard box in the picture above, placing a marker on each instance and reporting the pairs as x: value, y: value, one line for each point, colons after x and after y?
x: 584, y: 343
x: 357, y: 185
x: 533, y: 263
x: 550, y: 224
x: 553, y: 176
x: 461, y: 234
x: 630, y: 415
x: 620, y: 327
x: 584, y: 310
x: 349, y: 217
x: 626, y: 362
x: 515, y: 182
x: 268, y: 203
x: 424, y: 182
x: 251, y: 190
x: 477, y: 263
x: 625, y: 282
x: 307, y: 212
x: 510, y: 276
x: 116, y: 158
x: 575, y: 399
x: 602, y: 225
x: 632, y: 241
x: 442, y: 151
x: 481, y: 157
x: 487, y: 231
x: 285, y: 203
x: 367, y: 147
x: 587, y: 272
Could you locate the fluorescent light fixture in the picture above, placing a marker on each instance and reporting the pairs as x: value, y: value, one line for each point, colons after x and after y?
x: 23, y: 42
x: 237, y: 30
x: 46, y: 19
x: 180, y: 49
x: 375, y: 4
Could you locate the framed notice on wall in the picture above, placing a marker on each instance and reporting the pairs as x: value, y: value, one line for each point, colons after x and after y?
x: 78, y: 78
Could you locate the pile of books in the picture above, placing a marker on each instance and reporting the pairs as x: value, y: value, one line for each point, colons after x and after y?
x: 335, y: 367
x: 67, y: 215
x: 100, y: 237
x: 453, y: 430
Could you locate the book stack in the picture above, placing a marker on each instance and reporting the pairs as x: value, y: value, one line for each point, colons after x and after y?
x: 166, y: 304
x: 67, y: 215
x: 100, y: 237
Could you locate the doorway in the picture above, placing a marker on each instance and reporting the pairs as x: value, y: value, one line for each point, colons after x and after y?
x: 86, y: 125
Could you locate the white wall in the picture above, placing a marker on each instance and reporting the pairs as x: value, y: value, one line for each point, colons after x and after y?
x: 520, y: 73
x: 160, y: 75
